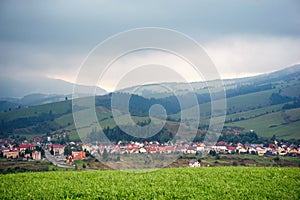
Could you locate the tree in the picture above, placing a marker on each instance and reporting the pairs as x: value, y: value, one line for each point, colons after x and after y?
x: 27, y: 151
x: 67, y: 137
x: 67, y: 150
x: 212, y: 152
x: 87, y: 153
x: 273, y: 138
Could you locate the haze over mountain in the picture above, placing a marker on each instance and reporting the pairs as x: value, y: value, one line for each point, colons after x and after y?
x: 18, y: 88
x: 16, y: 93
x: 159, y: 90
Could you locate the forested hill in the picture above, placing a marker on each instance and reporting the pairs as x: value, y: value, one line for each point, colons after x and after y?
x: 269, y: 105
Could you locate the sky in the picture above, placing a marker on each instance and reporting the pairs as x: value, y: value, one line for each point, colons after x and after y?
x: 52, y: 38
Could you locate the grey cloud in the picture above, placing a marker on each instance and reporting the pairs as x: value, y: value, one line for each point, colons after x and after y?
x: 53, y: 37
x: 87, y: 22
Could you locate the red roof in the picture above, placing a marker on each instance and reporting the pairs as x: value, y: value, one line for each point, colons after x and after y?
x: 169, y: 148
x: 191, y: 148
x: 25, y: 146
x: 152, y: 149
x: 57, y: 146
x: 231, y: 148
x: 221, y: 143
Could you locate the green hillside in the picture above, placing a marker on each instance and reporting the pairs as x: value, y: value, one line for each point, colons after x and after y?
x: 256, y: 103
x: 282, y: 124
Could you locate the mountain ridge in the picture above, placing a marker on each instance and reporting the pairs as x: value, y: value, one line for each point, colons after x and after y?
x: 18, y: 88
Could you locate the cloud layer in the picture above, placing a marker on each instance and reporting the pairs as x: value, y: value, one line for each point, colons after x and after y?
x: 52, y: 38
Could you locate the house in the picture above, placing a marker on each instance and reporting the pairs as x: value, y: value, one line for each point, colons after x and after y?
x: 191, y: 150
x: 169, y: 149
x: 23, y: 147
x: 231, y: 149
x: 252, y: 150
x: 11, y: 154
x: 261, y: 150
x: 143, y: 150
x: 77, y: 155
x: 58, y: 150
x: 182, y: 149
x: 194, y: 163
x: 36, y: 155
x: 5, y: 149
x: 293, y: 152
x: 242, y: 150
x: 152, y: 150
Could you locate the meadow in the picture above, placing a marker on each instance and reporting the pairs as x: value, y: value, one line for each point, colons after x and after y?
x: 177, y: 183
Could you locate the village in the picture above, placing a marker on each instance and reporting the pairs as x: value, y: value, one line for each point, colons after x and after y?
x: 64, y: 154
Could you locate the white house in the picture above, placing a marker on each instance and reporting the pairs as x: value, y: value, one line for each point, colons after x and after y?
x: 194, y: 163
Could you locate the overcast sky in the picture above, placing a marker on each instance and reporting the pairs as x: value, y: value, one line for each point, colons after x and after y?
x: 52, y: 38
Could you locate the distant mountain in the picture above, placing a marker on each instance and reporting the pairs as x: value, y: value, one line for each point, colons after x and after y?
x: 157, y: 91
x: 15, y: 94
x: 18, y: 88
x: 30, y: 100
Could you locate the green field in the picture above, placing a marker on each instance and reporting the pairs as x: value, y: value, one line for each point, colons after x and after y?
x: 180, y: 183
x: 236, y: 104
x: 57, y: 108
x: 274, y: 124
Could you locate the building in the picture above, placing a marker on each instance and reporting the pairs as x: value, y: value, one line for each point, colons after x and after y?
x: 36, y: 155
x: 58, y: 150
x: 11, y: 154
x: 194, y: 163
x: 23, y: 147
x: 77, y: 155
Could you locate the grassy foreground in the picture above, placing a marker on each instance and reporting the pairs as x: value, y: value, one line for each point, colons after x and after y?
x: 178, y: 183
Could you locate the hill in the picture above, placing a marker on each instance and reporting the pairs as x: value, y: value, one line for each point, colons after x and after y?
x: 267, y: 104
x: 36, y: 91
x: 18, y: 88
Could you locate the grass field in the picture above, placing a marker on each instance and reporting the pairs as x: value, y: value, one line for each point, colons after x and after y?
x: 273, y: 124
x: 179, y: 183
x: 237, y: 104
x: 56, y: 108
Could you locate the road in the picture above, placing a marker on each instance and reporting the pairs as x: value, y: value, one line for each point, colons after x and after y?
x: 55, y: 162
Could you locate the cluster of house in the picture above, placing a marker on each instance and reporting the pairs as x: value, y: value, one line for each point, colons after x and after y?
x: 59, y: 151
x: 25, y: 151
x: 30, y: 151
x: 220, y: 147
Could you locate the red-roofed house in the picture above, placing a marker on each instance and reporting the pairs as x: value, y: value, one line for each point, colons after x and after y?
x: 23, y: 147
x: 78, y: 155
x: 231, y: 149
x: 58, y: 149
